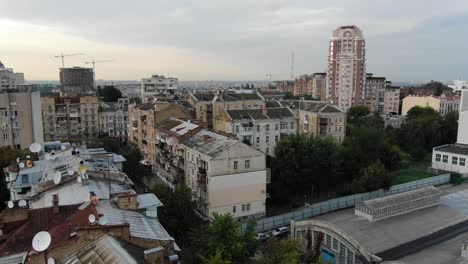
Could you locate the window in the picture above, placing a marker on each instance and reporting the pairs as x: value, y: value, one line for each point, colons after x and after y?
x: 335, y: 244
x: 24, y: 179
x: 267, y: 127
x: 276, y: 138
x: 445, y: 159
x: 247, y: 164
x: 235, y: 164
x: 258, y: 140
x: 328, y: 241
x: 267, y: 139
x: 247, y: 207
x: 292, y: 125
x: 234, y: 209
x: 454, y: 160
x: 237, y: 129
x: 243, y: 208
x: 462, y: 162
x: 276, y: 126
x: 258, y: 128
x: 267, y: 150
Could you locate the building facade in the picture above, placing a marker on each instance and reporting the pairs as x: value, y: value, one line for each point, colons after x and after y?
x: 77, y: 79
x: 20, y: 119
x: 158, y: 86
x: 303, y: 85
x: 113, y: 119
x: 9, y: 79
x: 203, y: 104
x: 319, y: 85
x: 374, y: 93
x: 226, y: 175
x: 442, y: 104
x: 391, y: 100
x: 346, y: 76
x: 70, y: 117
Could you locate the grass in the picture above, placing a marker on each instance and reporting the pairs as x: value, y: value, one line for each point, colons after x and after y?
x: 409, y: 175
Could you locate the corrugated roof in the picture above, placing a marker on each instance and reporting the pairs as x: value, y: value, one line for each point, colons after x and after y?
x: 148, y: 200
x: 399, y: 198
x: 311, y: 106
x: 238, y: 96
x: 278, y: 113
x: 256, y: 114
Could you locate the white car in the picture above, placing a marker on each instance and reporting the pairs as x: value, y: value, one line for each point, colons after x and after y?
x: 280, y: 231
x: 261, y: 236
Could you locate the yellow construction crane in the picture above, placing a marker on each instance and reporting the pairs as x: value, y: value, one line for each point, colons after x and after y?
x: 93, y: 62
x: 66, y: 55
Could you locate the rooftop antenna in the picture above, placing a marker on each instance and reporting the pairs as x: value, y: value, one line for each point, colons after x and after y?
x: 66, y: 55
x: 292, y: 65
x: 41, y: 241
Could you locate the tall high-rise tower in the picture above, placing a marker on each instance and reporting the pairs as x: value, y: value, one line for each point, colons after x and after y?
x: 346, y: 67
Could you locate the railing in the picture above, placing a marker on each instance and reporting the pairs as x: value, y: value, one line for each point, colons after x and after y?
x: 269, y: 223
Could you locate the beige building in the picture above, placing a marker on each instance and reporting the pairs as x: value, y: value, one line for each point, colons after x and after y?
x: 9, y: 79
x: 113, y: 119
x: 442, y: 104
x: 374, y: 93
x: 203, y: 104
x: 319, y: 119
x: 20, y: 119
x: 228, y: 177
x: 391, y: 100
x: 319, y: 85
x: 142, y: 122
x: 70, y: 117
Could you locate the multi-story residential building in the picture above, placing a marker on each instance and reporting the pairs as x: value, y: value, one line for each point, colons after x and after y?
x: 203, y: 104
x: 303, y: 85
x: 374, y: 93
x: 346, y: 75
x: 20, y: 118
x: 319, y: 119
x: 9, y: 79
x: 142, y: 122
x: 442, y: 104
x: 391, y: 99
x: 158, y: 86
x: 260, y: 128
x: 228, y: 176
x: 286, y: 86
x: 77, y: 79
x: 113, y: 119
x: 70, y: 117
x: 319, y: 85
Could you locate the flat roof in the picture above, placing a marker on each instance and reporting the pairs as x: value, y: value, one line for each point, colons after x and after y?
x: 454, y: 148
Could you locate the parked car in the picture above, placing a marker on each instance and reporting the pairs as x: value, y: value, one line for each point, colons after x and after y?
x: 280, y: 231
x: 261, y: 236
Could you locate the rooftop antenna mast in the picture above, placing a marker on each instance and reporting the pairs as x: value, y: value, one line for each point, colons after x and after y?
x: 292, y: 65
x: 66, y: 55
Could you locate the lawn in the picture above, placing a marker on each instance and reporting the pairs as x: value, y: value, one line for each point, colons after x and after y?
x: 409, y: 175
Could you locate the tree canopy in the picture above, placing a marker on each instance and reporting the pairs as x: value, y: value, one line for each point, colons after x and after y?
x: 109, y: 93
x: 285, y: 251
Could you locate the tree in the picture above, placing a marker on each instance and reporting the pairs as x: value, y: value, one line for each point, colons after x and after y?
x: 283, y: 251
x: 109, y: 93
x: 358, y: 111
x: 288, y: 96
x: 371, y: 178
x: 217, y: 259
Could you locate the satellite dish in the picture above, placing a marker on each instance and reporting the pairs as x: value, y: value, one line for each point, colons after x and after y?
x: 22, y: 203
x: 41, y: 241
x: 50, y: 261
x: 47, y: 156
x: 21, y: 165
x: 70, y: 172
x: 28, y: 157
x: 10, y: 204
x: 79, y: 179
x: 29, y: 163
x: 92, y: 218
x: 63, y: 147
x: 17, y: 160
x: 102, y: 220
x: 57, y: 177
x: 35, y: 147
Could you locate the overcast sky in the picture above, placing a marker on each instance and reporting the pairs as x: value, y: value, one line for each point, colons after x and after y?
x: 234, y: 39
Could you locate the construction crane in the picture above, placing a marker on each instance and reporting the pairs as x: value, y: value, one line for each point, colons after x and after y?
x: 93, y: 62
x: 66, y: 55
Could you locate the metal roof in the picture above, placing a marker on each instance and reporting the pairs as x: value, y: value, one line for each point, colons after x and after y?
x: 210, y: 143
x: 454, y: 148
x: 148, y: 200
x: 399, y: 198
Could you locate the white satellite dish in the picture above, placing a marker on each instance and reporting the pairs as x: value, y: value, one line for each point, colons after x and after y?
x: 47, y: 156
x: 10, y: 204
x: 79, y: 179
x: 102, y: 220
x: 22, y: 203
x: 17, y: 160
x: 41, y: 241
x: 70, y: 172
x: 50, y: 261
x: 92, y: 218
x: 28, y: 157
x: 21, y: 165
x: 57, y: 177
x: 35, y: 147
x: 63, y: 147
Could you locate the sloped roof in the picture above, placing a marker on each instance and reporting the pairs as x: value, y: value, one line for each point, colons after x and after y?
x: 204, y: 96
x: 148, y: 200
x: 311, y: 106
x: 280, y: 112
x: 256, y: 114
x: 270, y: 104
x: 210, y: 143
x: 238, y: 96
x: 399, y: 198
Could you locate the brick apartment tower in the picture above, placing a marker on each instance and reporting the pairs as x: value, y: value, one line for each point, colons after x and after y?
x: 346, y: 76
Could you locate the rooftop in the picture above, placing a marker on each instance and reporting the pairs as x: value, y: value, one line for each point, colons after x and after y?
x: 148, y: 200
x: 238, y: 96
x: 399, y: 198
x: 311, y: 106
x: 210, y: 143
x: 454, y: 148
x: 204, y: 96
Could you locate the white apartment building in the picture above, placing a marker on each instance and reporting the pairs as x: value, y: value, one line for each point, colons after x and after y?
x: 9, y: 79
x: 261, y: 129
x: 113, y: 119
x: 158, y: 85
x: 453, y: 157
x: 228, y: 176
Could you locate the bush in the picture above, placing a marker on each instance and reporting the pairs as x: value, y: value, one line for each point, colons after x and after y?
x: 456, y: 178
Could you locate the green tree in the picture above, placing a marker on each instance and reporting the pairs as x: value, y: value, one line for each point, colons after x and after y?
x: 358, y: 111
x: 217, y: 259
x: 109, y: 93
x: 371, y: 178
x: 285, y: 251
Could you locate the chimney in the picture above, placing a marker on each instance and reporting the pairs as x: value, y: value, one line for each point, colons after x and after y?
x: 55, y: 202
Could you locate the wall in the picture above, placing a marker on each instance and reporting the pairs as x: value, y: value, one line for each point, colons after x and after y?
x: 423, y: 101
x: 440, y: 165
x: 224, y: 163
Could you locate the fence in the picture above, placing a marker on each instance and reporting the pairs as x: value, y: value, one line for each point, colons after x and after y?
x: 269, y: 223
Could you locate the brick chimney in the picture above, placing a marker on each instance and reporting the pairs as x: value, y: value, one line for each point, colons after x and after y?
x: 55, y: 203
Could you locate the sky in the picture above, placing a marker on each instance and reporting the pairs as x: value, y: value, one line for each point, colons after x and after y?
x: 232, y: 40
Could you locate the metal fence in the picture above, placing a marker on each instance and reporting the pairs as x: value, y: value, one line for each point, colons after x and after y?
x: 269, y: 223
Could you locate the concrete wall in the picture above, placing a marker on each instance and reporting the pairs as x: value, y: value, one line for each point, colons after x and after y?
x: 440, y: 165
x: 423, y: 101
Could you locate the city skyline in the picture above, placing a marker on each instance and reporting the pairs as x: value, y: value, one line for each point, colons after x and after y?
x: 231, y: 41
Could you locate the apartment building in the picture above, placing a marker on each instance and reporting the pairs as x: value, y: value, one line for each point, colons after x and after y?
x: 391, y: 100
x: 142, y: 122
x: 203, y: 104
x: 260, y: 128
x: 70, y: 117
x: 113, y: 119
x: 303, y: 85
x: 319, y: 85
x: 319, y: 119
x: 442, y: 104
x: 158, y: 86
x: 9, y: 79
x: 374, y: 93
x: 20, y: 118
x: 226, y: 175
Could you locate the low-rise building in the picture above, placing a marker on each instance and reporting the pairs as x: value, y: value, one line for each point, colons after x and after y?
x: 227, y: 176
x: 258, y: 128
x: 319, y: 119
x: 442, y: 104
x: 70, y: 117
x: 158, y: 86
x: 113, y: 119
